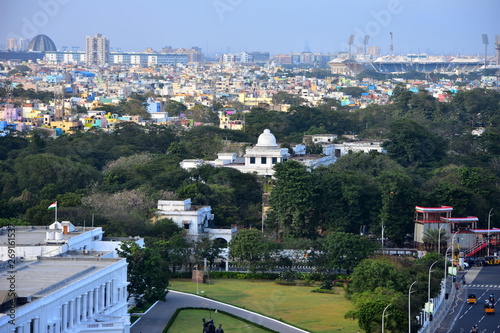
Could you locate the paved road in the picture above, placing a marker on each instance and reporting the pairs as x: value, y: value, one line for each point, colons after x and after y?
x: 155, y: 320
x: 461, y: 316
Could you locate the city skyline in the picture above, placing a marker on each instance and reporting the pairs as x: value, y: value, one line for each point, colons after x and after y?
x: 223, y: 26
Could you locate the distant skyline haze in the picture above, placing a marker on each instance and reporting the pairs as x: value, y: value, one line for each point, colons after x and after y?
x: 447, y: 27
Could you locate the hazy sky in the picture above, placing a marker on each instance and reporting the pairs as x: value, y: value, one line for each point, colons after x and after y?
x: 276, y: 26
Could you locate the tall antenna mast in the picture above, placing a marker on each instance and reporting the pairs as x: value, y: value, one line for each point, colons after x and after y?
x: 392, y: 44
x: 485, y: 42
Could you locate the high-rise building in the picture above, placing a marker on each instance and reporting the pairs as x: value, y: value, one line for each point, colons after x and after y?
x: 97, y: 50
x: 12, y: 44
x: 23, y: 44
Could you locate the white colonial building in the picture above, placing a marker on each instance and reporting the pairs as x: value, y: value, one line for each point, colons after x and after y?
x: 261, y: 158
x: 72, y: 294
x: 193, y: 219
x: 61, y: 239
x: 67, y: 279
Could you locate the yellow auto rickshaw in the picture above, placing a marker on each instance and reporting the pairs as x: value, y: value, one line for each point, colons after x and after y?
x: 471, y: 299
x: 489, y: 308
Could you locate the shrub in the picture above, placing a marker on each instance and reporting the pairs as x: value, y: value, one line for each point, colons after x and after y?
x: 288, y: 276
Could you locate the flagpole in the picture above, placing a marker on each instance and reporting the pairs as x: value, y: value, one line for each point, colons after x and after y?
x: 56, y: 212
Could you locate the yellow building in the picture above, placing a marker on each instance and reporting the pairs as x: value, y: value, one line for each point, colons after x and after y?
x: 70, y: 127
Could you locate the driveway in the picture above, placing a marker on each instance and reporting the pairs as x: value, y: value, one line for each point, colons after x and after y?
x: 155, y: 320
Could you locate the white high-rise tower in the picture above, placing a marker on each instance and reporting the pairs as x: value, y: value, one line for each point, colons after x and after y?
x: 97, y: 50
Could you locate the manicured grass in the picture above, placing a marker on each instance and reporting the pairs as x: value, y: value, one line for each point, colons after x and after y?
x: 189, y: 321
x: 314, y: 312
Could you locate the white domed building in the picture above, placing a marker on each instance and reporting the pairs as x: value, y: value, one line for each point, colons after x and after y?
x: 259, y: 159
x: 264, y: 155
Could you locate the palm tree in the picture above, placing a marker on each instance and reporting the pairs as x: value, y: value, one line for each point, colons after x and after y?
x: 434, y: 237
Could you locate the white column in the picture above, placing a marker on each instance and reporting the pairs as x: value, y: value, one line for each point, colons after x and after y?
x: 113, y: 291
x: 91, y: 303
x: 64, y: 317
x: 71, y: 313
x: 36, y: 325
x: 78, y: 312
x: 85, y: 307
x: 101, y: 297
x: 108, y: 294
x: 96, y: 300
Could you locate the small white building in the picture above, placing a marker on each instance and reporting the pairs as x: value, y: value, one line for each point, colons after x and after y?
x: 344, y: 148
x: 193, y: 219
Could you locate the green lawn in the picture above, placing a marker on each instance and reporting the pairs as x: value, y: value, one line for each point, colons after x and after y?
x: 189, y: 321
x: 295, y: 305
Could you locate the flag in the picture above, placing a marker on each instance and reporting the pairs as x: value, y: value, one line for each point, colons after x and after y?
x: 54, y: 205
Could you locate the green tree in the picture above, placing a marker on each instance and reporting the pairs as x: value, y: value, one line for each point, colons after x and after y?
x: 176, y: 251
x: 134, y: 107
x: 294, y: 215
x: 344, y: 251
x: 146, y: 273
x: 203, y: 114
x: 175, y: 108
x: 282, y: 97
x: 250, y: 248
x: 412, y: 144
x: 434, y: 237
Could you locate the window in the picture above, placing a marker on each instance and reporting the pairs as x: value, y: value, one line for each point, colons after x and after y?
x: 263, y: 160
x: 252, y: 160
x: 274, y: 160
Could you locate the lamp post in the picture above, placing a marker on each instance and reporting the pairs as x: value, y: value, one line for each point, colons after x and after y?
x: 446, y: 263
x: 383, y: 228
x: 409, y: 306
x: 452, y: 242
x: 197, y: 278
x: 383, y: 316
x: 429, y: 285
x: 439, y: 238
x: 489, y: 219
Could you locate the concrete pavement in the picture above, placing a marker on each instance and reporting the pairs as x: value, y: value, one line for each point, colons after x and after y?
x: 155, y: 320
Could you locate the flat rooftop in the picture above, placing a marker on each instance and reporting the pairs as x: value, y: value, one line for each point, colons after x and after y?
x: 43, y: 277
x: 36, y: 235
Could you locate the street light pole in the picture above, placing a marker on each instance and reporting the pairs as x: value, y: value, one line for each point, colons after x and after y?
x: 489, y: 219
x: 383, y: 228
x: 429, y: 285
x: 439, y: 238
x: 197, y: 278
x: 409, y: 306
x: 383, y: 316
x: 446, y: 264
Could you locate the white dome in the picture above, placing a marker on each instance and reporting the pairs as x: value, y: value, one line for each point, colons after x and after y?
x: 266, y: 139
